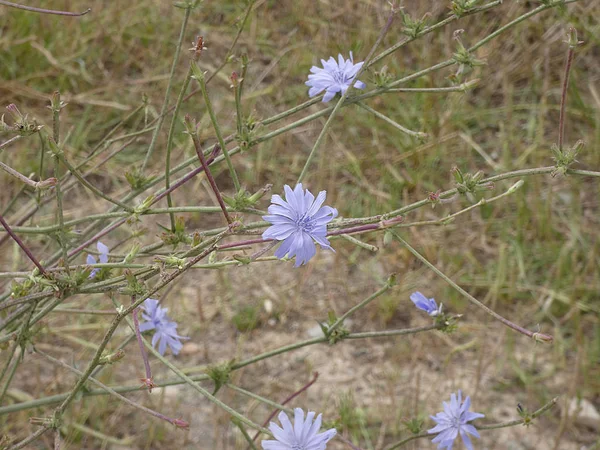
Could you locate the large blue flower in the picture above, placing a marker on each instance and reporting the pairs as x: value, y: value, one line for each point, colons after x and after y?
x: 103, y: 257
x: 165, y: 330
x: 334, y: 77
x: 298, y: 220
x: 453, y: 421
x: 303, y: 435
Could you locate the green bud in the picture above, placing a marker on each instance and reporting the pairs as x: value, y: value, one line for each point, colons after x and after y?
x: 112, y: 358
x: 132, y: 253
x: 197, y: 73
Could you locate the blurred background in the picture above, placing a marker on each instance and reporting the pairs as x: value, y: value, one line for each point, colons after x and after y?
x: 533, y: 257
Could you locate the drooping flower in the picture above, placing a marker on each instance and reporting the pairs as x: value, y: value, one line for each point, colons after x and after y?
x: 426, y: 304
x: 103, y: 257
x: 165, y: 330
x: 298, y: 220
x: 334, y: 77
x: 303, y: 435
x: 453, y: 421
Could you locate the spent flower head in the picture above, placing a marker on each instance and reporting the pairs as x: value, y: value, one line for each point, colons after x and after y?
x: 335, y: 76
x: 303, y: 435
x: 453, y: 421
x: 297, y: 221
x: 102, y: 258
x: 426, y: 304
x: 165, y: 330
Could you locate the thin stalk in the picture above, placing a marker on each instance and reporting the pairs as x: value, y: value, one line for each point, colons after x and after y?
x: 41, y: 172
x: 111, y: 132
x: 62, y: 241
x: 341, y: 101
x: 417, y: 134
x: 460, y: 88
x: 207, y: 172
x: 123, y: 389
x: 138, y: 335
x: 32, y: 437
x: 11, y: 374
x: 430, y: 29
x: 527, y: 420
x: 536, y: 336
x: 22, y: 245
x: 90, y: 186
x: 200, y: 389
x: 177, y: 422
x: 161, y: 117
x: 115, y: 323
x: 510, y: 423
x: 28, y: 181
x: 286, y: 401
x: 213, y: 118
x: 360, y: 305
x: 245, y: 434
x: 10, y: 141
x: 170, y: 136
x: 563, y: 97
x: 233, y: 44
x: 44, y: 11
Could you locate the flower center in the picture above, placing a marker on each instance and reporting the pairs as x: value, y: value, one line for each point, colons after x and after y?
x: 456, y: 422
x: 340, y: 77
x: 305, y: 223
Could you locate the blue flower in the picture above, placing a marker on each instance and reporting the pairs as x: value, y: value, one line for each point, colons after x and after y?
x: 103, y: 257
x: 426, y: 304
x: 334, y: 77
x: 298, y: 220
x: 303, y: 435
x: 165, y: 329
x: 453, y: 421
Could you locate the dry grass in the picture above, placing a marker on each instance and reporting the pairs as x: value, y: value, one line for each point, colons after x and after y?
x: 534, y: 257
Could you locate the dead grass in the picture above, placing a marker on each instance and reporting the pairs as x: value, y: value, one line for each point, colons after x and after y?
x: 533, y: 258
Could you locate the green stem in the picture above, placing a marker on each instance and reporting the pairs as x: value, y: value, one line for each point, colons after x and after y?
x: 510, y: 423
x: 341, y: 101
x: 360, y: 305
x: 196, y: 386
x: 200, y: 77
x: 161, y: 117
x: 170, y: 136
x: 536, y: 336
x: 417, y: 134
x: 90, y: 186
x: 123, y: 389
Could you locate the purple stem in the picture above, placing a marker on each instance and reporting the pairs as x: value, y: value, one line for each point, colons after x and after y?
x: 22, y: 245
x: 211, y: 179
x: 287, y: 400
x: 360, y: 229
x: 563, y: 98
x: 138, y: 335
x: 120, y: 222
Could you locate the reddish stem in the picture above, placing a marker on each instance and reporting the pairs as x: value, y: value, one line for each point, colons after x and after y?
x: 211, y: 180
x: 22, y: 245
x: 287, y: 400
x: 136, y: 324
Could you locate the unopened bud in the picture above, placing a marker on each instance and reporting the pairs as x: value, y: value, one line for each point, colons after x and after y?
x: 180, y: 423
x: 112, y: 357
x: 572, y: 38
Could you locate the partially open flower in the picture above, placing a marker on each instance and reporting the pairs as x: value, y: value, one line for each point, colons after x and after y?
x: 103, y: 258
